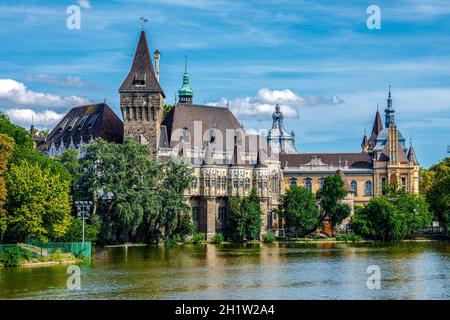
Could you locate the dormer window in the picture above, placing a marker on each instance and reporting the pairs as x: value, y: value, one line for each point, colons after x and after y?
x: 139, y: 79
x: 82, y: 122
x: 92, y: 121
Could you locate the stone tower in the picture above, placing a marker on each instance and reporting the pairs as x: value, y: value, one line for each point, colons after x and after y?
x: 142, y: 99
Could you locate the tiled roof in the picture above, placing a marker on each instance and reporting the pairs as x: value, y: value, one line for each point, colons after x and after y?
x: 84, y: 122
x: 359, y: 160
x: 211, y: 117
x: 385, y: 154
x: 141, y: 71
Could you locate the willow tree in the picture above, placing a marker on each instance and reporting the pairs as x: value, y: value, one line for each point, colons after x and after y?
x: 137, y: 199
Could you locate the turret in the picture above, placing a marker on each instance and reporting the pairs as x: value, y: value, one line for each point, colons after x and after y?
x: 185, y: 94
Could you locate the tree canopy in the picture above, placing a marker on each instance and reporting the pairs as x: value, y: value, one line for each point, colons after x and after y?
x: 330, y: 196
x: 244, y: 221
x: 39, y: 203
x: 136, y: 198
x: 394, y: 216
x: 300, y: 210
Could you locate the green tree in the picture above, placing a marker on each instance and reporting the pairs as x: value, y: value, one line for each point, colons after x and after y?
x: 21, y: 136
x: 39, y: 203
x: 253, y: 223
x: 177, y: 177
x: 236, y: 219
x: 300, y: 210
x: 166, y: 110
x: 144, y: 198
x: 244, y: 222
x: 24, y: 149
x: 379, y: 220
x: 74, y: 232
x: 330, y: 197
x: 6, y: 152
x: 414, y: 209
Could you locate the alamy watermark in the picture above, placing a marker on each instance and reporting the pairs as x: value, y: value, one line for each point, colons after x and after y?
x: 74, y: 279
x: 374, y: 20
x: 374, y: 280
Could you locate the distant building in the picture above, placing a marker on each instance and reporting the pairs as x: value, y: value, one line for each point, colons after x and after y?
x: 384, y: 157
x: 80, y: 125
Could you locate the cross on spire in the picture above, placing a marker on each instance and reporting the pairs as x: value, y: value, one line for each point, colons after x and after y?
x: 143, y: 22
x: 185, y: 63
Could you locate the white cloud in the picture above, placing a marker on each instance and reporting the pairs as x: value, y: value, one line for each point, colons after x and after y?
x: 69, y: 81
x: 25, y: 117
x: 15, y: 94
x: 263, y: 104
x: 85, y: 4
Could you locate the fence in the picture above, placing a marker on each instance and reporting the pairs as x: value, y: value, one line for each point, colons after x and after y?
x: 41, y: 250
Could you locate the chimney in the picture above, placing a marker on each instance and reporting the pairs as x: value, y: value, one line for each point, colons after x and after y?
x: 157, y: 55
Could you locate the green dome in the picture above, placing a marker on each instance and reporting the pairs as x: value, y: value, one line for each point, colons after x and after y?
x: 186, y: 89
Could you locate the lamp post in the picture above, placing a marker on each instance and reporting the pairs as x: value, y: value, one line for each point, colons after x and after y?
x: 83, y: 211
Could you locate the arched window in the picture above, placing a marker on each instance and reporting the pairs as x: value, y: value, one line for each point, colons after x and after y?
x: 321, y: 182
x: 368, y: 189
x: 207, y: 181
x: 308, y: 184
x: 355, y: 187
x: 274, y: 184
x: 259, y: 183
x: 293, y: 181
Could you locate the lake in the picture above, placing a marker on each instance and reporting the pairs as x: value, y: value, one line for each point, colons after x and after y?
x: 409, y: 270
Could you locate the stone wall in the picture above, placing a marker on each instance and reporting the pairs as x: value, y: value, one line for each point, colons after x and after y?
x: 142, y: 115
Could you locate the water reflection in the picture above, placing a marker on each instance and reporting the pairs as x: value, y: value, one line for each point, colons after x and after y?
x: 257, y: 271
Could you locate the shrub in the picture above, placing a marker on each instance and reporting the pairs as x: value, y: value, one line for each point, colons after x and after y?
x: 198, y: 238
x: 13, y: 257
x: 218, y: 238
x: 348, y: 237
x: 75, y: 231
x: 269, y: 237
x: 173, y: 240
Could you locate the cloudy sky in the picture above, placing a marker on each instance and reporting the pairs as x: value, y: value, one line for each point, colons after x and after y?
x: 317, y: 59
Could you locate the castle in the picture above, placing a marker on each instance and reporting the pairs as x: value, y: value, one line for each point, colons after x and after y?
x: 226, y: 160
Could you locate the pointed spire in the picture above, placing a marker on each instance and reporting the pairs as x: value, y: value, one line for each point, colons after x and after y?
x: 389, y: 111
x: 364, y: 143
x: 141, y: 76
x: 376, y: 129
x: 411, y: 153
x: 412, y: 156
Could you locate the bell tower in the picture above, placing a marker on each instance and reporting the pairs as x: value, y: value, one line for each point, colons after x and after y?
x: 142, y: 99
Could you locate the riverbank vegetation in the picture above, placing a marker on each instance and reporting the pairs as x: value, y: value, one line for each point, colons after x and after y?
x: 134, y: 198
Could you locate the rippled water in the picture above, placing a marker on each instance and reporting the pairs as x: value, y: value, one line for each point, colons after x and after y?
x: 409, y: 270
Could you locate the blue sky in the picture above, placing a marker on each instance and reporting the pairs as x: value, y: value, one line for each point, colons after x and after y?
x: 317, y: 59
